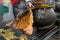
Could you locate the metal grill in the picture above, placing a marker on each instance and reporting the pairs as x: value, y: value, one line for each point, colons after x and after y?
x: 41, y: 34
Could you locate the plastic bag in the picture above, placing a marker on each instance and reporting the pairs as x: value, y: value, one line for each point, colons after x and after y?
x: 8, y: 15
x: 19, y: 7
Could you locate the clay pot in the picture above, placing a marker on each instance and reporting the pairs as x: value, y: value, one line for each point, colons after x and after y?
x: 44, y: 18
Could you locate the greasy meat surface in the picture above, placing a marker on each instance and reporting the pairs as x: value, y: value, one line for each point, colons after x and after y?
x: 23, y: 20
x: 38, y: 0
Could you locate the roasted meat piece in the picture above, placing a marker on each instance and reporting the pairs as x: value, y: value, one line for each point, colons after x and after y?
x: 23, y: 20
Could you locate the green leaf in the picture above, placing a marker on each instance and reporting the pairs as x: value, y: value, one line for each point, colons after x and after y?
x: 8, y: 34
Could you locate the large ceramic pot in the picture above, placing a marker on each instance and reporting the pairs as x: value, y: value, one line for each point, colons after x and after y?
x: 44, y: 18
